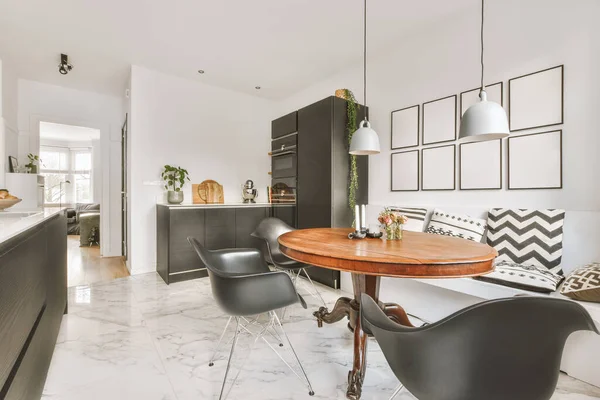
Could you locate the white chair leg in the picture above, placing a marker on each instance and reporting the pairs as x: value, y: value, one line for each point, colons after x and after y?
x: 314, y: 287
x: 397, y: 391
x: 235, y: 339
x: 211, y: 362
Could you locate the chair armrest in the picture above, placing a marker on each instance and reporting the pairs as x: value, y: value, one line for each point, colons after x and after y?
x: 242, y: 261
x: 258, y: 293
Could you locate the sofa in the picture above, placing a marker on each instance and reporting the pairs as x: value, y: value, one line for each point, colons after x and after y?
x: 73, y: 216
x: 511, y: 232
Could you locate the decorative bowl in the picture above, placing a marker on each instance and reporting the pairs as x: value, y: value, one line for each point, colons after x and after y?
x: 8, y: 203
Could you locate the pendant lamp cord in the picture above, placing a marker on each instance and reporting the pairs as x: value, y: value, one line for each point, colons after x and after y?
x: 365, y: 56
x: 482, y: 21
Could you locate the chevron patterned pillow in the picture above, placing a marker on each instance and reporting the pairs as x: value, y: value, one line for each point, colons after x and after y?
x: 583, y: 284
x: 416, y: 217
x: 527, y: 237
x: 457, y: 225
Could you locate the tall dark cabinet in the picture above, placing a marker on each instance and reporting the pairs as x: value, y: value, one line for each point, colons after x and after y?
x: 324, y: 170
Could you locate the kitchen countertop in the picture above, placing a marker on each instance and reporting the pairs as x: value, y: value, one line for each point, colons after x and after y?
x: 224, y: 205
x: 11, y: 227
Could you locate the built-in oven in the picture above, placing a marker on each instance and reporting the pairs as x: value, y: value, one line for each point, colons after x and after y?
x: 283, y: 190
x: 284, y: 156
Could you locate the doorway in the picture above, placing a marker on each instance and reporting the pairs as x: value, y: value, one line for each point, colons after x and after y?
x: 70, y: 164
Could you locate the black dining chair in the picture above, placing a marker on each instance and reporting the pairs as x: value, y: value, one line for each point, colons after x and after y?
x: 241, y: 295
x: 269, y: 230
x: 496, y: 350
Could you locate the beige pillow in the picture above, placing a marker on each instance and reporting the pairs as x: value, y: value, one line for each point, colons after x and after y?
x: 583, y: 284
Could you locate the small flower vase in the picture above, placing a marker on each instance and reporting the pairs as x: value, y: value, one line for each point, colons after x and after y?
x: 392, y: 231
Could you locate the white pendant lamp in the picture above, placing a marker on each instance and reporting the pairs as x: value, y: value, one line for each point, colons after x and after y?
x: 365, y: 140
x: 484, y: 120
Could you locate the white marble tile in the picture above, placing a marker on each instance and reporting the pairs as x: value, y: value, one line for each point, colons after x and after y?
x: 137, y: 338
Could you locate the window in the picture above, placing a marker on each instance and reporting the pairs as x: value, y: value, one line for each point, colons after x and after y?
x: 62, y: 164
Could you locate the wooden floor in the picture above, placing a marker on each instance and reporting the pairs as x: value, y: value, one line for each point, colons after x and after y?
x: 86, y: 266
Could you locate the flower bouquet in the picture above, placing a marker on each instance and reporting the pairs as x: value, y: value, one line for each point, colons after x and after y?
x: 391, y: 224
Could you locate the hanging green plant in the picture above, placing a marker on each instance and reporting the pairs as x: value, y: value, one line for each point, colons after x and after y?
x: 351, y: 126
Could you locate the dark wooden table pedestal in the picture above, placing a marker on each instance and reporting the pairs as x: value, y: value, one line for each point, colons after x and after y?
x: 350, y: 308
x: 417, y: 255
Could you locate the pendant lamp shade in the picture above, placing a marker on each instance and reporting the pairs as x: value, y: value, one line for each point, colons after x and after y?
x: 364, y: 141
x: 485, y: 120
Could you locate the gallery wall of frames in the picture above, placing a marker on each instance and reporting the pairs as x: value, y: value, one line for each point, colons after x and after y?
x: 427, y: 156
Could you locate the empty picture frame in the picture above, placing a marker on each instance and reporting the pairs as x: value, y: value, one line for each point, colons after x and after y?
x: 439, y: 120
x: 495, y: 93
x: 438, y: 168
x: 536, y: 100
x: 405, y: 127
x: 480, y: 165
x: 535, y: 161
x: 405, y: 171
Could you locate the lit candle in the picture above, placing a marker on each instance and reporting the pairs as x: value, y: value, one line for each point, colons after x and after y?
x: 363, y: 217
x: 357, y: 218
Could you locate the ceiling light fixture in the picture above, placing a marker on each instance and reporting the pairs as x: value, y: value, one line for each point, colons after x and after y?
x: 485, y: 120
x: 365, y: 140
x: 257, y: 87
x: 64, y: 67
x: 200, y: 71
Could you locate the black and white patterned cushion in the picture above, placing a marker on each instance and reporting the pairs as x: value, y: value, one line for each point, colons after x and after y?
x: 526, y: 277
x: 416, y: 217
x: 457, y: 225
x: 583, y: 284
x: 527, y: 237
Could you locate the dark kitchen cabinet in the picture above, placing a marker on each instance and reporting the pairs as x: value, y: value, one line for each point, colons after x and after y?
x: 246, y: 220
x: 284, y: 125
x: 323, y: 172
x: 220, y: 228
x: 33, y: 298
x: 216, y: 227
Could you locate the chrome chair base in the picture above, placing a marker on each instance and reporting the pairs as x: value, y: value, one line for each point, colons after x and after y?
x: 268, y: 328
x: 397, y: 391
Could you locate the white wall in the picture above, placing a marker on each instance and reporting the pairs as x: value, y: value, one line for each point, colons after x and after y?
x: 214, y: 133
x: 8, y: 112
x: 49, y: 103
x: 521, y: 37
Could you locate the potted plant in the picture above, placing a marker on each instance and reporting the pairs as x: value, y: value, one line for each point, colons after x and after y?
x: 33, y: 163
x: 174, y: 178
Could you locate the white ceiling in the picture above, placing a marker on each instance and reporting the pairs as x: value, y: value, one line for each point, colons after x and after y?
x: 67, y: 133
x: 281, y: 45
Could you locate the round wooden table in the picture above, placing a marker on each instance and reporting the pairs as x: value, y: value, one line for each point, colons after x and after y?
x: 417, y: 255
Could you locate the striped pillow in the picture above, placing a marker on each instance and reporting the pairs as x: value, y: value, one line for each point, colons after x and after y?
x: 527, y: 237
x: 526, y: 277
x: 416, y: 217
x: 457, y: 225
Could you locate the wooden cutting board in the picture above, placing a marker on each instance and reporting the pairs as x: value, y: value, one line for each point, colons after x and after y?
x: 207, y: 192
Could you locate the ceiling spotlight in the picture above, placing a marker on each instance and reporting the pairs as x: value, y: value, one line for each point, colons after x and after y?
x: 257, y: 87
x: 64, y: 67
x: 200, y: 71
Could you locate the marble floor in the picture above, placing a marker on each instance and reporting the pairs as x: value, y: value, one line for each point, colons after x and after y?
x: 137, y: 338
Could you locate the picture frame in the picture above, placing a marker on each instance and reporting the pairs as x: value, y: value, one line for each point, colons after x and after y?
x: 438, y: 168
x: 495, y: 93
x: 536, y: 100
x: 439, y: 120
x: 405, y: 171
x: 480, y: 165
x: 13, y: 164
x: 405, y: 127
x: 535, y: 161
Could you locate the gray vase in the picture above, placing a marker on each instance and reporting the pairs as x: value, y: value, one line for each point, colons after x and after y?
x: 174, y: 197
